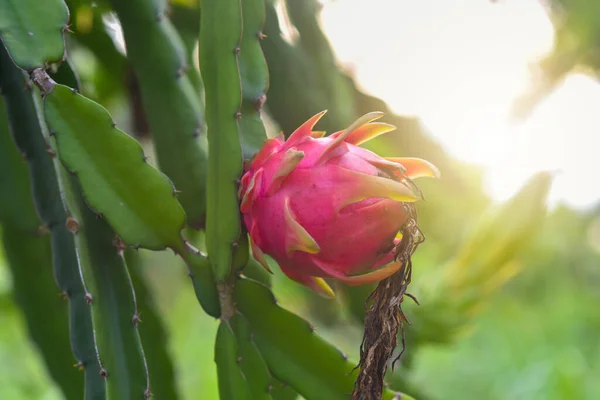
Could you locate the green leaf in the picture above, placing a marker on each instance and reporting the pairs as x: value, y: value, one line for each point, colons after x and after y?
x: 220, y: 34
x: 29, y: 258
x: 137, y: 200
x: 33, y: 34
x: 251, y: 362
x: 114, y: 306
x: 254, y: 76
x: 28, y: 131
x: 232, y: 383
x: 172, y: 103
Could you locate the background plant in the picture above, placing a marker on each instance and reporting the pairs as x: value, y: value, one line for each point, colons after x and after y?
x: 150, y: 336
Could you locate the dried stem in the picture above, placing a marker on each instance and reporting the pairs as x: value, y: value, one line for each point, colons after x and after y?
x: 385, y: 317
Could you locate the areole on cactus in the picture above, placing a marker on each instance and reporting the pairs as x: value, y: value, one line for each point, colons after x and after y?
x: 322, y: 207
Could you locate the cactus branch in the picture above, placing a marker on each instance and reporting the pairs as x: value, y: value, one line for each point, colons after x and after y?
x: 27, y: 130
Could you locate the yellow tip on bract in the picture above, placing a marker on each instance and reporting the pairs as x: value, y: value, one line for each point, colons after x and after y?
x: 373, y: 276
x: 318, y: 134
x: 365, y: 119
x: 290, y: 161
x: 368, y: 186
x: 323, y: 287
x: 297, y: 239
x: 416, y: 167
x: 368, y: 131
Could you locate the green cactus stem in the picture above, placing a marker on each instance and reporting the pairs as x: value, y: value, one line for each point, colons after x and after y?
x: 27, y: 130
x: 220, y: 36
x: 152, y: 330
x: 294, y: 353
x: 294, y: 92
x: 254, y: 76
x: 186, y: 20
x: 116, y: 180
x: 232, y: 383
x: 314, y: 43
x: 171, y: 101
x: 250, y: 360
x: 114, y: 304
x: 28, y: 254
x: 33, y: 34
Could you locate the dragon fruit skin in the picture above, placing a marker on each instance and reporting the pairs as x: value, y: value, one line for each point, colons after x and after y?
x: 324, y: 207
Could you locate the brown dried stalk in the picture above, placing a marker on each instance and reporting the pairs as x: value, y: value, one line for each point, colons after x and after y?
x: 385, y: 318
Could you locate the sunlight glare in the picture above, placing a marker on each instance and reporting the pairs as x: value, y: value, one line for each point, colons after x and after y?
x: 459, y: 66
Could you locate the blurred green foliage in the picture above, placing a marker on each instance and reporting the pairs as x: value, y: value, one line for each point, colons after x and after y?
x: 530, y: 332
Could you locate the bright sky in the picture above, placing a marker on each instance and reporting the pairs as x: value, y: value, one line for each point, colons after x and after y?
x: 459, y: 65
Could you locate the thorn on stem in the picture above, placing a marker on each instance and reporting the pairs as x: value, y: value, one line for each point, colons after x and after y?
x: 237, y: 50
x: 136, y: 319
x: 103, y: 373
x: 72, y: 225
x: 238, y: 115
x: 261, y: 35
x: 89, y: 298
x: 259, y: 101
x: 119, y: 244
x: 80, y: 366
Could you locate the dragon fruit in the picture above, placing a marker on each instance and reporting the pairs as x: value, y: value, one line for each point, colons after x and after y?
x: 322, y: 207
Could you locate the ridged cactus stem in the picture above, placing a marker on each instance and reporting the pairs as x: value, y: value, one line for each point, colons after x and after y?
x: 114, y: 305
x: 220, y: 41
x: 254, y: 76
x: 152, y: 330
x: 115, y: 316
x: 29, y: 258
x: 172, y: 103
x: 27, y: 130
x: 314, y: 43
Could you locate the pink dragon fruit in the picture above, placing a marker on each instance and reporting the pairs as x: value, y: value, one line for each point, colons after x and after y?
x: 323, y: 207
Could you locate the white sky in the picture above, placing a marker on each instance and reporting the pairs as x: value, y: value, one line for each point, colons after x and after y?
x: 459, y: 65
